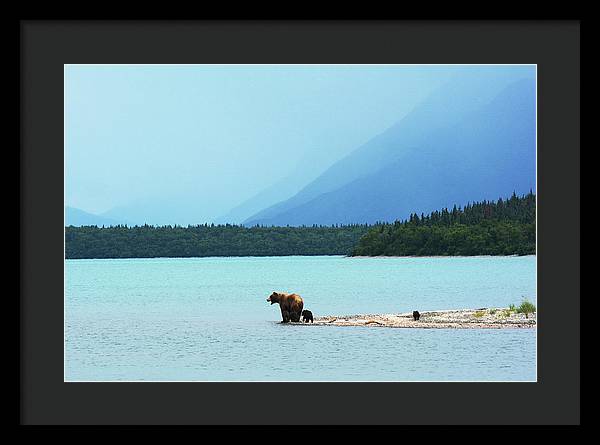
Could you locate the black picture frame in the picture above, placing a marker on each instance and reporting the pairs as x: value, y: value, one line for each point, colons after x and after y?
x: 45, y: 46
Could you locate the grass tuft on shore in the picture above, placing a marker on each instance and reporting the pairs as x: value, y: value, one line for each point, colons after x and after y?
x: 526, y: 307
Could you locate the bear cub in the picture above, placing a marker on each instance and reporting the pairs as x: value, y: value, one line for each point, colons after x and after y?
x: 416, y: 315
x: 307, y: 316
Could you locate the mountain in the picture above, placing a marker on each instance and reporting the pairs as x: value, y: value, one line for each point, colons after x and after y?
x: 77, y: 217
x: 158, y: 211
x: 474, y: 139
x: 305, y: 171
x: 279, y: 191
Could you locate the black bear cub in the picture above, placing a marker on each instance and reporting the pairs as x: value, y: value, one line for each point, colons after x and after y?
x: 416, y: 315
x: 307, y: 316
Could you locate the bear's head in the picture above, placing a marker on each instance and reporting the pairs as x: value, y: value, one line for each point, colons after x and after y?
x: 274, y: 298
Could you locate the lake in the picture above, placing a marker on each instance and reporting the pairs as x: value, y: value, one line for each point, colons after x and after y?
x: 207, y: 319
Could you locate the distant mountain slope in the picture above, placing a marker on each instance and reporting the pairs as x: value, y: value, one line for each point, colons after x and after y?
x: 450, y: 150
x: 307, y: 169
x: 77, y: 217
x: 277, y: 192
x: 444, y: 108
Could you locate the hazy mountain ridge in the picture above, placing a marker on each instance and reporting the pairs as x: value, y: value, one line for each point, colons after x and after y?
x: 77, y: 217
x: 443, y: 108
x: 483, y: 151
x: 306, y: 171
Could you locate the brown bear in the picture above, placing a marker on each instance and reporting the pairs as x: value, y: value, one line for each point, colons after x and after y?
x: 307, y: 316
x: 290, y: 304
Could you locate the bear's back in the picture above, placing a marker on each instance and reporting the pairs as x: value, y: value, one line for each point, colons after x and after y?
x: 289, y: 297
x: 293, y: 301
x: 295, y: 297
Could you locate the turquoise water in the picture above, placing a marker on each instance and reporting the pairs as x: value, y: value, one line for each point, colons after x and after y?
x: 207, y: 319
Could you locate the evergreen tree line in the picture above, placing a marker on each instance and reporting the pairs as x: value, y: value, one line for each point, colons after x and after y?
x: 209, y: 240
x: 503, y: 227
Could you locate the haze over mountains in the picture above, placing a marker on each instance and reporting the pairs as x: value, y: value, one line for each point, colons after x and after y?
x: 77, y: 217
x: 473, y: 139
x: 459, y: 137
x: 306, y: 171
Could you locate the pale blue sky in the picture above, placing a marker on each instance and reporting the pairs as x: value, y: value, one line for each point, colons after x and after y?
x: 196, y: 140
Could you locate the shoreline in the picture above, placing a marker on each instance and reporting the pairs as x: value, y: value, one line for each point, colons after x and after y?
x: 294, y: 256
x: 441, y: 256
x: 481, y: 318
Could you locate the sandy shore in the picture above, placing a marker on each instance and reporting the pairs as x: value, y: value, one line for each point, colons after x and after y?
x: 483, y: 318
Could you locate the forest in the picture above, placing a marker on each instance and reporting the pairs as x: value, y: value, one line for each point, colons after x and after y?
x: 209, y: 240
x: 503, y: 227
